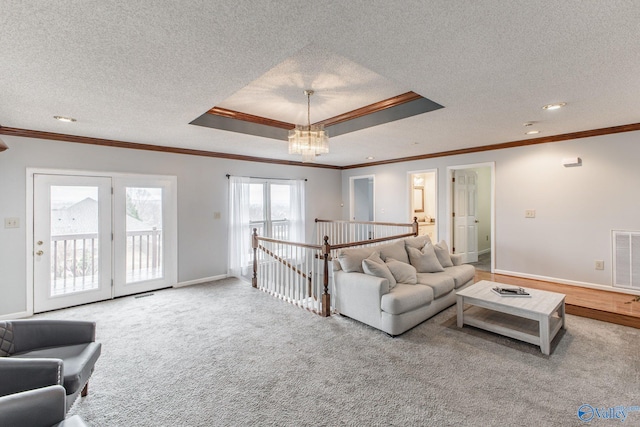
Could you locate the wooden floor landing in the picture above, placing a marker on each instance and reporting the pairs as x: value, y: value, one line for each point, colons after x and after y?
x: 608, y: 306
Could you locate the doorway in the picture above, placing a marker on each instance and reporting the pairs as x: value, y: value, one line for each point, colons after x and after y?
x: 423, y: 198
x: 471, y: 209
x: 362, y: 190
x: 98, y: 237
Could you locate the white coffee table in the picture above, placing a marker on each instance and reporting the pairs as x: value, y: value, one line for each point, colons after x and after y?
x: 536, y: 319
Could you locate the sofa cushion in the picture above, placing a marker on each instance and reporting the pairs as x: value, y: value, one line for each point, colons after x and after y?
x: 442, y: 252
x: 394, y: 250
x: 351, y: 258
x: 425, y: 260
x: 461, y: 274
x: 77, y: 361
x: 405, y: 298
x: 417, y: 242
x: 374, y: 266
x: 402, y: 272
x: 441, y: 283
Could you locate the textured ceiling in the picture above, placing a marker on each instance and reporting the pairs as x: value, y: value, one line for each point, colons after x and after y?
x: 141, y: 71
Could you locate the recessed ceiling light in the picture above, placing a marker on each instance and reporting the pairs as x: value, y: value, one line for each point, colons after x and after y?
x: 370, y: 157
x: 532, y: 132
x: 554, y: 106
x: 65, y: 119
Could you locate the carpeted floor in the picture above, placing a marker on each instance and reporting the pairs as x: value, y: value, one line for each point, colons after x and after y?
x: 224, y: 354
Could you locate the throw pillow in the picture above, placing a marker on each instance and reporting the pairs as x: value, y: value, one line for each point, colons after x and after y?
x: 351, y: 259
x: 402, y: 272
x: 442, y: 252
x: 374, y: 266
x: 394, y: 250
x: 416, y: 242
x: 425, y: 260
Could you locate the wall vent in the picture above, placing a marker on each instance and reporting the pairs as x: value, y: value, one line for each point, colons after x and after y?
x: 626, y: 259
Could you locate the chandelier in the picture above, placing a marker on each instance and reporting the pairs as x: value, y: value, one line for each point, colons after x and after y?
x: 310, y: 141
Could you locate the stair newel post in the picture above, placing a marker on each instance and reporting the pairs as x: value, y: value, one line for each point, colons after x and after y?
x: 326, y: 298
x: 415, y: 225
x: 254, y: 245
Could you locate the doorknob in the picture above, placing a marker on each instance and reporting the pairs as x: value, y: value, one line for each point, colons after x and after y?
x: 40, y: 242
x: 477, y: 221
x: 39, y: 253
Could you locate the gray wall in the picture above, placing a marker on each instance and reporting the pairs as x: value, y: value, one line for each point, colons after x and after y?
x: 576, y: 208
x: 202, y: 190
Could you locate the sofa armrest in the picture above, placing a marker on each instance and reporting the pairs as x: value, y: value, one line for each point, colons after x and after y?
x: 39, y: 407
x: 359, y: 295
x: 33, y: 334
x: 456, y: 259
x: 26, y: 374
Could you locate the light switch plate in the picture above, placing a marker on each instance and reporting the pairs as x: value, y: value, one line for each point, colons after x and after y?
x: 530, y: 213
x: 599, y: 264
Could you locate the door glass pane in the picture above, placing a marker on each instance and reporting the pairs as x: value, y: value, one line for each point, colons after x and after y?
x: 256, y: 208
x: 74, y: 239
x: 144, y: 234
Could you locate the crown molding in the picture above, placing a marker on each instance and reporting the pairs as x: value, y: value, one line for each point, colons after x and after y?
x: 149, y: 147
x: 27, y: 133
x: 521, y: 143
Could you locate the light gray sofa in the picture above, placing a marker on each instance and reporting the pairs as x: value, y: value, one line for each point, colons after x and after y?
x: 365, y: 291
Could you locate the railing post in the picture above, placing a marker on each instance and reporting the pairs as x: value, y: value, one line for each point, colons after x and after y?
x: 326, y: 298
x: 415, y: 225
x: 254, y: 245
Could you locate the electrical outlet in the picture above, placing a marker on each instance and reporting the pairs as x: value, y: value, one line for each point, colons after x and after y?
x: 217, y: 215
x: 599, y: 264
x: 12, y: 223
x: 530, y: 213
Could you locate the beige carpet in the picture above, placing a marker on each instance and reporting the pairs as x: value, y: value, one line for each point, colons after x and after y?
x: 224, y: 354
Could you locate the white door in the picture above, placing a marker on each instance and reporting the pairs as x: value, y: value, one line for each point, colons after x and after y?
x: 465, y: 222
x: 72, y: 240
x: 144, y: 234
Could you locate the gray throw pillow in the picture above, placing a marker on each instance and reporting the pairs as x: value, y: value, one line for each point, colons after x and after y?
x: 442, y: 252
x: 374, y: 266
x: 394, y: 250
x: 402, y: 272
x: 351, y: 258
x: 425, y: 260
x: 417, y: 242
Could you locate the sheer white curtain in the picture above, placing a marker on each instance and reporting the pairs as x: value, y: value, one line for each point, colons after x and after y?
x: 297, y: 231
x: 239, y: 226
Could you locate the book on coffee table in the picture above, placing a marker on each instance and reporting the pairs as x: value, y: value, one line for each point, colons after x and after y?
x: 510, y: 292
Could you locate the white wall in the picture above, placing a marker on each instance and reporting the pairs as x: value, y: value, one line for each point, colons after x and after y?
x: 576, y: 208
x: 202, y: 190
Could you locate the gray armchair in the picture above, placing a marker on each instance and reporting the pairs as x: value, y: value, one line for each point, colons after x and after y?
x: 37, y: 353
x: 41, y: 407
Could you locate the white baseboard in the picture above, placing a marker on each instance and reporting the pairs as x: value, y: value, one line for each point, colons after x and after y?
x: 198, y: 281
x: 568, y: 282
x: 18, y: 315
x: 484, y: 251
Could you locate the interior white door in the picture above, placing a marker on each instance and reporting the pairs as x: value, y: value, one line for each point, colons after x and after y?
x: 465, y: 221
x: 72, y: 240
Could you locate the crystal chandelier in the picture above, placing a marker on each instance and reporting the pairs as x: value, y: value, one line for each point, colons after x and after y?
x: 310, y: 141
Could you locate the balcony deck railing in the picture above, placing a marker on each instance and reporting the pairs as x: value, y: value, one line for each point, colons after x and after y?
x: 75, y: 260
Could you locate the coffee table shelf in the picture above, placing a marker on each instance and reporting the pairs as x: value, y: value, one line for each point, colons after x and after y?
x: 535, y: 320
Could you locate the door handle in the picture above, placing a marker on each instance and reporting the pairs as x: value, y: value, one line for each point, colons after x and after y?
x: 39, y: 253
x: 40, y: 242
x: 477, y: 221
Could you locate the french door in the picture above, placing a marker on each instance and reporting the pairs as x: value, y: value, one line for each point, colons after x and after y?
x: 98, y: 237
x: 72, y: 240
